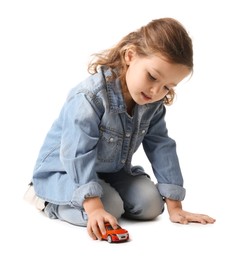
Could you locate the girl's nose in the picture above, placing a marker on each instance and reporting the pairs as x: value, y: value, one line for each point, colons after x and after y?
x: 155, y: 90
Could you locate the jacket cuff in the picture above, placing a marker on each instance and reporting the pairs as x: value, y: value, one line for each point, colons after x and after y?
x: 91, y: 189
x: 171, y: 191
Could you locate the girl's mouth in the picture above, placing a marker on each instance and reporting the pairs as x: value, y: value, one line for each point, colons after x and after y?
x: 145, y: 97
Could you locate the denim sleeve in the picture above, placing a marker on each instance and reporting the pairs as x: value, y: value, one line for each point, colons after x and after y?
x: 91, y: 189
x: 80, y: 134
x: 171, y: 191
x: 161, y: 152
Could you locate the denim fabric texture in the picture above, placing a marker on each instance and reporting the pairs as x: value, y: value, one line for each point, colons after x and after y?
x: 94, y: 134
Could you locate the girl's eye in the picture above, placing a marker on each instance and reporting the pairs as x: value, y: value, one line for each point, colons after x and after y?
x: 166, y: 88
x: 151, y: 77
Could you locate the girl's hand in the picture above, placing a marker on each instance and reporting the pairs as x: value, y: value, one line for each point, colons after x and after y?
x: 96, y: 221
x: 97, y: 216
x: 180, y: 216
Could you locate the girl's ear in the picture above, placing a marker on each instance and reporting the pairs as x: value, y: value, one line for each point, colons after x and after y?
x: 129, y: 55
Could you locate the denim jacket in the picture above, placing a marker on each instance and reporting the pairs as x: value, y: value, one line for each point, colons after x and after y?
x: 94, y: 133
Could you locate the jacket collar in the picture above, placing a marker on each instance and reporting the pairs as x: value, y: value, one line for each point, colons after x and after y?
x: 114, y: 90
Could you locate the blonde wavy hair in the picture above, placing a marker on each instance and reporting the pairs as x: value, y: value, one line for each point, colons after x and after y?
x: 166, y: 37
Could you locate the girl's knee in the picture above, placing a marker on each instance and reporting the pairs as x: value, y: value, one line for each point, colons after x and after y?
x: 146, y: 208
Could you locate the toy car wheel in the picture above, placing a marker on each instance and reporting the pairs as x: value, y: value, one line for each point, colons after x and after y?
x: 109, y: 239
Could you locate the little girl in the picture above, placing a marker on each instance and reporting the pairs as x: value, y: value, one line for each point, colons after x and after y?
x: 84, y: 173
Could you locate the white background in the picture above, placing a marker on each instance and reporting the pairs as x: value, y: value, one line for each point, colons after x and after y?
x: 45, y: 47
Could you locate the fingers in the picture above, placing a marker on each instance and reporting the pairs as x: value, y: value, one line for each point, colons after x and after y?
x: 200, y: 218
x: 113, y: 222
x: 94, y: 232
x: 96, y: 228
x: 206, y: 219
x: 186, y: 217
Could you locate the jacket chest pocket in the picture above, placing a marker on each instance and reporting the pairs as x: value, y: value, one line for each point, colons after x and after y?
x: 143, y: 129
x: 109, y: 146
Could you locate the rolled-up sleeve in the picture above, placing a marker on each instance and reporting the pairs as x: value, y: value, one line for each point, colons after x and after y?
x: 91, y: 189
x: 171, y: 191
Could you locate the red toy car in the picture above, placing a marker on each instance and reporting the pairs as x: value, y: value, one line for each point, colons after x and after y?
x: 115, y: 235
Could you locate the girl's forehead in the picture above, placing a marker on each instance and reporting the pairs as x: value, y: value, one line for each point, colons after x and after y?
x: 167, y: 70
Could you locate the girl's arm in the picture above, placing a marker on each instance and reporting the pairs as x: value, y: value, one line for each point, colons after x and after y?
x: 178, y: 215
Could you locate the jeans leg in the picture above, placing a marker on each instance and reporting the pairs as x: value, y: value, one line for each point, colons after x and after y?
x: 111, y: 200
x: 141, y: 197
x: 66, y: 213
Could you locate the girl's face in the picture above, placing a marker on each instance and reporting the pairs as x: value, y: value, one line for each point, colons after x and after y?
x: 149, y: 79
